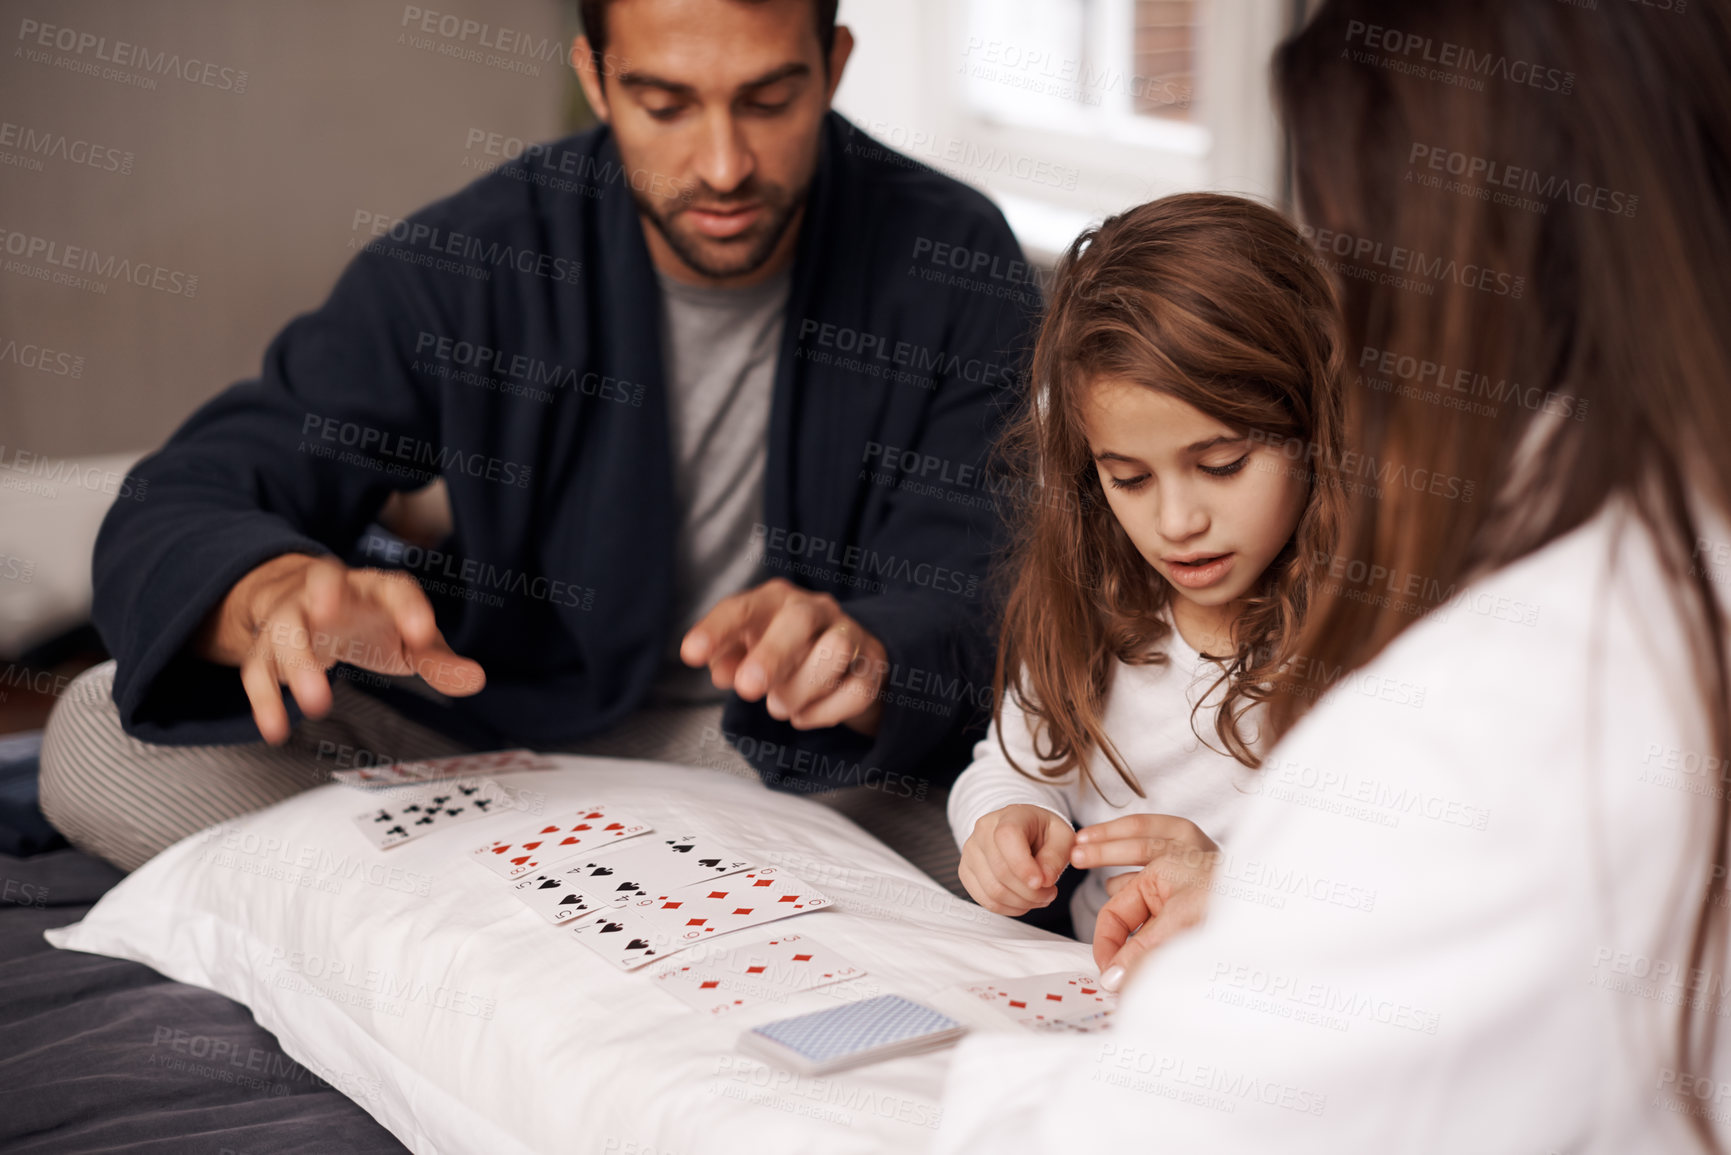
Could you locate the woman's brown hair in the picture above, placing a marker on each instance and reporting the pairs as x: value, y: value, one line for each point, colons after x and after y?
x: 1218, y: 302
x: 1603, y: 278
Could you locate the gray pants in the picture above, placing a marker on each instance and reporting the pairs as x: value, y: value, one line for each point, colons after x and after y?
x: 123, y: 800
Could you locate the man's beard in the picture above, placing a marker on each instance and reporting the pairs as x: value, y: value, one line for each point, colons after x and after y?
x: 754, y: 247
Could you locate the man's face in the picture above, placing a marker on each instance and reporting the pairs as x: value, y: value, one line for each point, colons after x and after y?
x: 716, y: 106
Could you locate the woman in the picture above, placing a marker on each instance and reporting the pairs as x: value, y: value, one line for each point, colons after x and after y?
x: 1479, y: 901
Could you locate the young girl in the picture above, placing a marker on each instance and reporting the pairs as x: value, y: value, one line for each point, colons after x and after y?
x: 1182, y: 435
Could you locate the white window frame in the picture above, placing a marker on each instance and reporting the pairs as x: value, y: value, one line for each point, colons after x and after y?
x: 910, y: 91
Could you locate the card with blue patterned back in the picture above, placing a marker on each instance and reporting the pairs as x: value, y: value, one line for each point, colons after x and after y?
x: 851, y: 1034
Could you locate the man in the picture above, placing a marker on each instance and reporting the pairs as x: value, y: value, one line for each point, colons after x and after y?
x: 671, y: 374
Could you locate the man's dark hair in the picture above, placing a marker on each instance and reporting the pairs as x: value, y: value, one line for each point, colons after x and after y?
x: 594, y: 14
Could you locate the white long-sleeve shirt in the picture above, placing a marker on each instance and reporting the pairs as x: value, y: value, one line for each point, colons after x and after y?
x: 1148, y: 717
x: 1533, y: 836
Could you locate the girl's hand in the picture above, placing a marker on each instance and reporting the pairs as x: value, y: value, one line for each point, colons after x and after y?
x: 1012, y: 860
x: 1149, y: 907
x: 1137, y: 840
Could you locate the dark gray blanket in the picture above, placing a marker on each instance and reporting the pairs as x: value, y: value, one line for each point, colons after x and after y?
x: 97, y: 1054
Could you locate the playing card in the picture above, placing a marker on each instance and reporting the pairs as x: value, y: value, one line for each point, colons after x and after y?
x: 1040, y: 1001
x: 437, y: 769
x: 750, y: 898
x: 794, y: 962
x: 711, y: 991
x: 413, y: 813
x: 555, y: 841
x: 651, y: 866
x: 1086, y: 1025
x: 847, y: 1036
x: 555, y: 896
x: 719, y: 980
x: 625, y: 939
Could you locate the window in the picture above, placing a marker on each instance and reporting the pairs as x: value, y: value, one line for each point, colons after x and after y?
x: 1064, y: 111
x: 1114, y: 68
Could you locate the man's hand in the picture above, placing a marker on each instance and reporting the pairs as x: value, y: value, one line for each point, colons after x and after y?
x: 294, y: 617
x: 812, y: 665
x: 1012, y: 860
x: 1149, y: 907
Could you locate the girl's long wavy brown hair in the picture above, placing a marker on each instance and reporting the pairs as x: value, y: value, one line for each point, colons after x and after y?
x: 1218, y: 302
x: 1624, y: 282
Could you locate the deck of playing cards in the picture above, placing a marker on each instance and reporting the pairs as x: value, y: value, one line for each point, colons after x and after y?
x: 872, y: 1031
x: 382, y: 774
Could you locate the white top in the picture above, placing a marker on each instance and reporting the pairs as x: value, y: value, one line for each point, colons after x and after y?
x: 1532, y: 839
x: 1148, y: 718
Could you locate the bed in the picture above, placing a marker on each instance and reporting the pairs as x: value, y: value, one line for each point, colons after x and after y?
x: 104, y: 1053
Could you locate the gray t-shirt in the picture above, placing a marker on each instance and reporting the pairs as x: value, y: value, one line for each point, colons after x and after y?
x: 719, y: 350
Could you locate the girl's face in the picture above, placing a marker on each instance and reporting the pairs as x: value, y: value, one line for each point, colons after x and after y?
x: 1205, y: 505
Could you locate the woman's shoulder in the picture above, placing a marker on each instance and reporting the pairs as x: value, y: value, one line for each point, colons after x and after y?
x: 1518, y: 667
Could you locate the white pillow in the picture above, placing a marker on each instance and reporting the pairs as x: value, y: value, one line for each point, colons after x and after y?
x: 465, y: 1023
x: 50, y: 512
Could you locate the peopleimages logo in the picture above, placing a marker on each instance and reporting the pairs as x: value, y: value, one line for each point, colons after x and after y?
x: 1359, y: 255
x: 29, y: 247
x: 1455, y: 61
x: 33, y: 143
x: 34, y: 34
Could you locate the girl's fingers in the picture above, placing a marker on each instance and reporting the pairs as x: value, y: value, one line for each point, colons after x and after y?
x: 1054, y: 855
x: 1116, y: 852
x: 987, y: 892
x: 1157, y: 827
x: 1015, y: 862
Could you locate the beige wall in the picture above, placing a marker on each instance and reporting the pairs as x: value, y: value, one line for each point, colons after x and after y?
x: 254, y: 192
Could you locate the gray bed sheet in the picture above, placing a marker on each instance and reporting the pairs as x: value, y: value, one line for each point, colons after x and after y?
x: 101, y: 1055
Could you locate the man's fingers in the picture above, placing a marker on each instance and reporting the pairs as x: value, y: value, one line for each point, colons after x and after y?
x: 821, y: 674
x: 847, y: 701
x: 447, y: 672
x: 299, y: 667
x: 402, y: 598
x: 781, y: 649
x: 258, y: 678
x: 1116, y: 883
x: 325, y: 586
x: 724, y: 664
x: 853, y: 667
x: 733, y: 621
